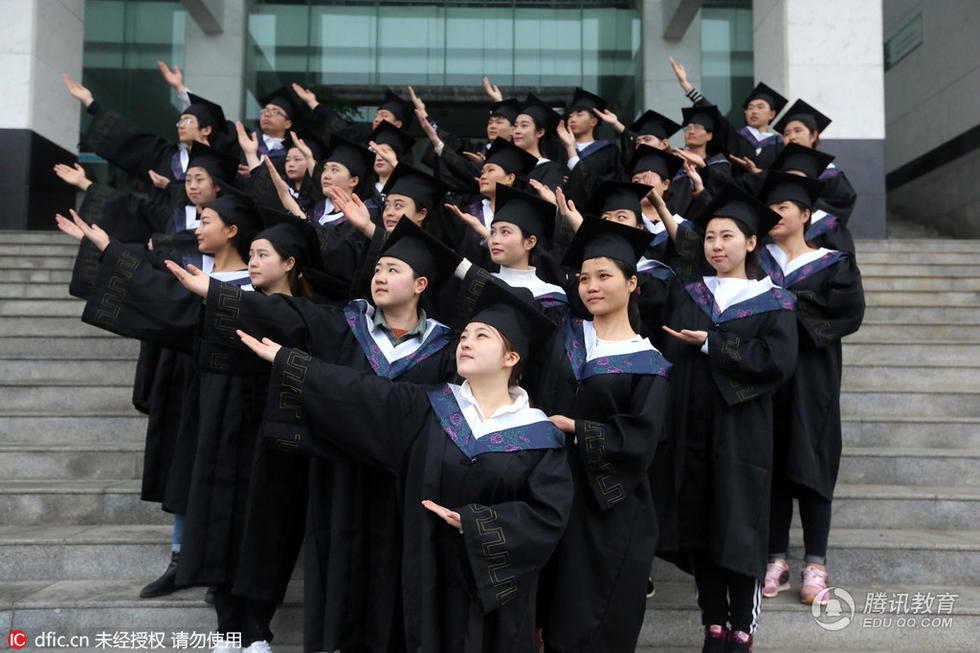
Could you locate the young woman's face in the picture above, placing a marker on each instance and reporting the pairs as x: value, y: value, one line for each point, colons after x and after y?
x: 499, y: 127
x: 508, y: 246
x: 213, y: 235
x: 381, y: 167
x: 603, y: 287
x: 792, y: 220
x: 526, y: 135
x: 295, y: 164
x: 623, y: 216
x: 481, y: 352
x: 398, y: 205
x: 797, y: 132
x: 491, y: 175
x: 266, y: 268
x: 758, y: 114
x: 651, y: 178
x: 394, y: 283
x: 725, y: 246
x: 199, y: 186
x: 652, y: 141
x: 337, y: 174
x: 189, y: 130
x: 383, y: 115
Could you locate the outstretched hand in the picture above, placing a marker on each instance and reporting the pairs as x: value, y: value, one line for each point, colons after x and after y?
x: 192, y: 278
x: 568, y: 211
x: 688, y: 336
x: 78, y: 91
x: 681, y: 74
x: 450, y: 517
x: 306, y: 95
x: 474, y: 223
x: 492, y: 90
x: 74, y: 175
x: 265, y: 348
x: 174, y: 77
x: 77, y: 226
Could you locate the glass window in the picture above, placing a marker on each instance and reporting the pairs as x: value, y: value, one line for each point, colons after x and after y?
x: 726, y: 54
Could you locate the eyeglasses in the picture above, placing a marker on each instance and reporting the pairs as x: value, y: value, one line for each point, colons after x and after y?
x: 694, y: 128
x: 183, y: 122
x: 273, y: 112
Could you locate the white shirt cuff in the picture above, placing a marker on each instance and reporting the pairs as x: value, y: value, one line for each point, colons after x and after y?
x: 704, y: 347
x: 463, y: 267
x: 439, y: 148
x: 573, y: 162
x: 185, y: 98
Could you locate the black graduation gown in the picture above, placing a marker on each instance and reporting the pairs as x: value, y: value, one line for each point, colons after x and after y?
x: 352, y: 520
x: 721, y: 419
x: 593, y: 592
x: 134, y: 299
x: 550, y: 173
x: 827, y: 230
x: 473, y: 591
x: 830, y: 305
x: 598, y: 162
x: 838, y: 196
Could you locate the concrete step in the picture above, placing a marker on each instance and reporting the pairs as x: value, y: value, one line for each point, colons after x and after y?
x: 941, y: 431
x: 920, y: 270
x: 673, y: 620
x: 101, y: 345
x: 874, y: 284
x: 883, y: 332
x: 880, y: 556
x: 21, y: 275
x: 66, y: 306
x: 902, y: 258
x: 932, y: 298
x: 910, y: 378
x: 66, y: 399
x: 930, y: 354
x: 87, y: 608
x: 59, y: 262
x: 865, y: 246
x: 909, y: 466
x: 66, y: 247
x: 932, y: 507
x: 968, y: 316
x: 910, y: 404
x: 41, y: 428
x: 88, y: 372
x: 35, y: 290
x: 47, y: 236
x: 70, y: 502
x: 72, y: 460
x: 50, y: 326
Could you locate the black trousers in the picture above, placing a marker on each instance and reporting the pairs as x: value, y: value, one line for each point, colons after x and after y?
x: 249, y: 617
x: 726, y: 597
x: 814, y: 516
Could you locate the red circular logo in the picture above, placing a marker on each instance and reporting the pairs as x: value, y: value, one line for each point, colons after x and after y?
x: 16, y: 639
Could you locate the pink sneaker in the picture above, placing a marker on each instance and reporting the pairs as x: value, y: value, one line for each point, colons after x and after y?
x: 777, y: 578
x: 814, y: 582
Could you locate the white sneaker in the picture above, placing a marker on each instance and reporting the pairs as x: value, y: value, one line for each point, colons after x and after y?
x: 224, y: 646
x: 258, y: 647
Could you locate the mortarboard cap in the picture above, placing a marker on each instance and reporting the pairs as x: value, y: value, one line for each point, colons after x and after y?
x: 803, y: 112
x: 655, y: 124
x: 401, y: 109
x: 398, y: 139
x: 219, y: 165
x: 411, y: 182
x: 509, y: 109
x: 618, y: 195
x: 582, y: 100
x: 807, y: 160
x: 358, y: 159
x: 782, y: 186
x: 426, y: 255
x: 513, y: 312
x: 663, y: 162
x: 733, y: 202
x: 511, y: 158
x: 544, y: 116
x: 606, y: 238
x: 535, y: 216
x: 706, y: 116
x: 208, y: 113
x: 282, y: 98
x: 775, y: 101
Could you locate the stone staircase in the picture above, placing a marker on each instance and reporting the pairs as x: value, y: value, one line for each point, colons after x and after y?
x: 76, y: 543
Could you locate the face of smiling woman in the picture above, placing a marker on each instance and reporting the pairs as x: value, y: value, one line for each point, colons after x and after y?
x: 603, y: 287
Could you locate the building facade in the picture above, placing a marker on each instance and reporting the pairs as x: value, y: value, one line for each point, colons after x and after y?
x: 828, y: 52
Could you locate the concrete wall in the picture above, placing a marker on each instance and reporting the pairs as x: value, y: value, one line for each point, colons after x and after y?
x: 216, y: 61
x: 933, y: 115
x: 39, y: 123
x: 829, y: 52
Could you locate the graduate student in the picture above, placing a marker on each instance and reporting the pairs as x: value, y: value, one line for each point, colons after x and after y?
x: 605, y: 386
x: 830, y: 305
x: 484, y: 478
x: 733, y: 344
x: 802, y: 124
x: 393, y: 337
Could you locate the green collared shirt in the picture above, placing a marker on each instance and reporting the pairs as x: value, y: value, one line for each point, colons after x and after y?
x: 417, y: 330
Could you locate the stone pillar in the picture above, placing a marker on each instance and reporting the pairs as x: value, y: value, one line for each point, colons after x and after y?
x: 39, y: 39
x: 215, y: 39
x: 671, y: 28
x: 829, y: 52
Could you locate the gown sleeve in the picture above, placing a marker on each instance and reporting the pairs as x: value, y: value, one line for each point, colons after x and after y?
x: 836, y: 310
x: 616, y: 453
x: 132, y: 298
x: 747, y: 367
x: 838, y: 195
x: 369, y: 417
x: 229, y: 308
x: 123, y: 143
x: 508, y: 543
